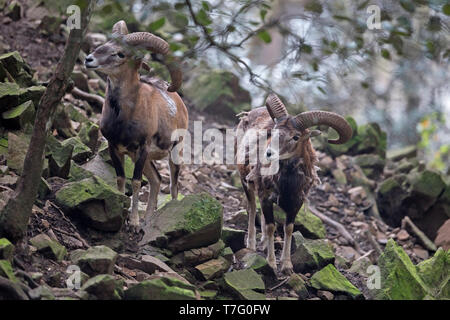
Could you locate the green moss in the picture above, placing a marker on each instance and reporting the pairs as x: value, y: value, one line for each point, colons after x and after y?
x: 49, y: 247
x: 399, y: 277
x: 388, y: 185
x: 329, y: 278
x: 244, y: 283
x: 204, y: 211
x: 435, y: 272
x: 161, y: 289
x: 6, y: 249
x: 427, y: 183
x: 7, y: 271
x: 305, y: 222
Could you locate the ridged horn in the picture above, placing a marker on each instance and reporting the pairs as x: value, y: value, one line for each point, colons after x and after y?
x: 120, y: 28
x: 157, y: 45
x: 276, y: 107
x: 148, y: 41
x: 309, y: 119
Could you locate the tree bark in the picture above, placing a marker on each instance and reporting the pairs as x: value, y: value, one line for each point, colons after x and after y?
x: 16, y: 213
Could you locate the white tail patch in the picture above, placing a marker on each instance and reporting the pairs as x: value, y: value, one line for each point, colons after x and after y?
x: 171, y: 105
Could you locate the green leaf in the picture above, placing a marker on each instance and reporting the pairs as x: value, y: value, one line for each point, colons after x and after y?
x: 265, y: 36
x: 177, y: 19
x: 179, y: 5
x: 407, y: 5
x: 314, y: 6
x: 202, y: 18
x: 262, y: 14
x: 306, y: 48
x: 322, y: 90
x: 206, y: 6
x: 386, y: 54
x: 158, y: 24
x: 446, y: 9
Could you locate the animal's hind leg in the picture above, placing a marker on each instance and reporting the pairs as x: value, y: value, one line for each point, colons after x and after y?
x: 154, y: 179
x: 118, y: 159
x: 140, y: 163
x: 267, y: 210
x: 251, y: 209
x: 174, y: 175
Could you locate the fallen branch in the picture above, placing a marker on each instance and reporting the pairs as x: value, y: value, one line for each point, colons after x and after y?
x: 12, y: 290
x: 339, y: 227
x: 373, y: 242
x: 75, y: 233
x: 422, y: 237
x: 98, y: 101
x: 280, y: 284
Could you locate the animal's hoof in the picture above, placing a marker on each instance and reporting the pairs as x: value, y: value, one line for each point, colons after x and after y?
x: 287, y: 268
x: 134, y: 228
x: 273, y: 265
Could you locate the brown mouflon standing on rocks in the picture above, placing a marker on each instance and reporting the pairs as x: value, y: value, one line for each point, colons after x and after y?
x: 296, y: 173
x: 138, y: 118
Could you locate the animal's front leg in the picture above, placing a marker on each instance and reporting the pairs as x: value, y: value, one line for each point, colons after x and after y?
x: 137, y: 179
x: 267, y: 211
x: 154, y: 178
x: 286, y: 264
x: 118, y: 160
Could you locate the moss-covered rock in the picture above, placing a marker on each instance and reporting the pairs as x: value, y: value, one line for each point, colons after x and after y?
x: 213, y: 268
x: 218, y: 92
x: 59, y: 156
x: 402, y: 153
x: 246, y: 284
x: 399, y: 277
x: 17, y: 150
x: 18, y: 117
x: 103, y: 287
x: 311, y: 255
x: 48, y: 247
x: 306, y: 222
x: 43, y: 292
x: 81, y: 152
x: 6, y: 249
x: 330, y: 279
x: 163, y: 288
x: 19, y: 70
x: 425, y: 188
x: 435, y: 273
x: 297, y: 284
x: 95, y: 260
x: 368, y: 138
x: 195, y: 221
x: 89, y: 134
x: 95, y: 202
x: 7, y: 271
x: 233, y: 238
x: 371, y: 164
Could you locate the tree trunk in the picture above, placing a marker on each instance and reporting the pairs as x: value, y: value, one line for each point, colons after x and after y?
x: 16, y: 213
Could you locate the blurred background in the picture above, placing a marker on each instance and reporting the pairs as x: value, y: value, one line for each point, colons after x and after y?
x: 315, y: 54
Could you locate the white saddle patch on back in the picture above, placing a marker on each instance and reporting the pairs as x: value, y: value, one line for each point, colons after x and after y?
x: 171, y: 106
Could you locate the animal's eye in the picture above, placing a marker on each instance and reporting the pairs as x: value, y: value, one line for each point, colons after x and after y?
x: 296, y: 138
x: 120, y: 55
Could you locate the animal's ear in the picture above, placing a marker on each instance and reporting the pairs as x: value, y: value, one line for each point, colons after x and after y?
x: 120, y: 28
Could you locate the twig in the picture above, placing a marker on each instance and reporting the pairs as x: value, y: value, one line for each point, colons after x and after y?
x: 372, y: 241
x: 76, y: 234
x: 280, y: 284
x: 13, y: 290
x: 422, y: 237
x: 339, y: 227
x: 98, y: 101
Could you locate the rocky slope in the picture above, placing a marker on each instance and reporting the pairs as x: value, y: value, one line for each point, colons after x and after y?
x: 371, y: 210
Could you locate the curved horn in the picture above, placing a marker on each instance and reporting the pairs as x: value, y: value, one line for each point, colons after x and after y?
x: 148, y: 41
x: 157, y: 45
x: 120, y: 28
x: 309, y: 119
x: 275, y: 107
